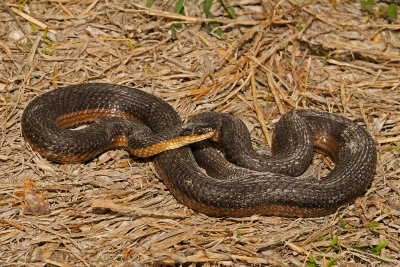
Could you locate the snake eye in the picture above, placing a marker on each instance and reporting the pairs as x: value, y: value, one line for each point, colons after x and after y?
x: 203, y: 129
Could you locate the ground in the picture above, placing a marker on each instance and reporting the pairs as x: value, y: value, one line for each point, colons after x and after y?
x: 273, y: 58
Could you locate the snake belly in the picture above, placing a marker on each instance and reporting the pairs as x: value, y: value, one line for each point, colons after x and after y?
x: 241, y: 189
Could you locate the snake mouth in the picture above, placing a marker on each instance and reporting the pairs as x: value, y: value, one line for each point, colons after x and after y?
x: 173, y: 143
x: 196, y: 129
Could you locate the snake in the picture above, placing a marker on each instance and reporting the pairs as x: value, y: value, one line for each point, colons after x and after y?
x: 208, y: 163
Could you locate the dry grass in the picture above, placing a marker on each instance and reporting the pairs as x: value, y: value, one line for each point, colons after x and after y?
x: 114, y: 210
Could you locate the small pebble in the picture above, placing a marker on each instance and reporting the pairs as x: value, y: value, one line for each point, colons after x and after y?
x: 15, y: 35
x: 2, y: 85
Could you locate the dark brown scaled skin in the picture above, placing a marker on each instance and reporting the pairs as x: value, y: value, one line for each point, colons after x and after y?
x: 254, y: 184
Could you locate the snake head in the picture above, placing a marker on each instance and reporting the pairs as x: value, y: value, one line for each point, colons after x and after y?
x: 199, y: 129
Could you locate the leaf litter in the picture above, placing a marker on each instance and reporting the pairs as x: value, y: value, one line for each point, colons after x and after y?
x: 272, y: 58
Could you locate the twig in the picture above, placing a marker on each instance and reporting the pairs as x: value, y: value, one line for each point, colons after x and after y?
x: 9, y: 10
x: 260, y: 116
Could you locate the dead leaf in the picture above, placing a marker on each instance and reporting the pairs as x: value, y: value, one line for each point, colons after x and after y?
x: 34, y: 202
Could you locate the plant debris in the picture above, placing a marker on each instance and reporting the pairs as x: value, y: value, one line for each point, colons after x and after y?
x: 274, y: 57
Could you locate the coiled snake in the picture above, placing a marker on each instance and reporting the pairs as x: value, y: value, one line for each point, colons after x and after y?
x: 240, y: 184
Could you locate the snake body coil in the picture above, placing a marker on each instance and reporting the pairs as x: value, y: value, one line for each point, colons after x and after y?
x: 253, y: 185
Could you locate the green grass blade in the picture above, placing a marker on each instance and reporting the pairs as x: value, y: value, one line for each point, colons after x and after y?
x: 392, y: 11
x: 332, y: 262
x: 377, y: 250
x: 176, y: 26
x: 207, y: 6
x: 372, y: 224
x: 395, y: 148
x: 212, y: 27
x: 228, y: 9
x: 179, y: 7
x: 149, y: 3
